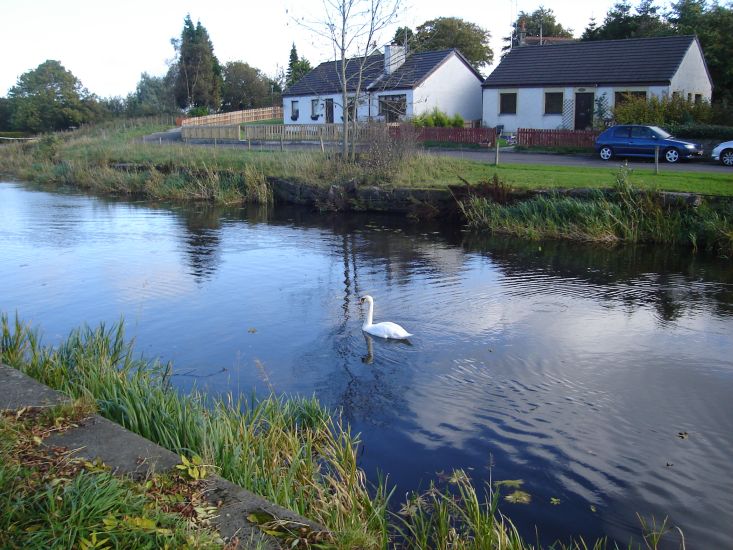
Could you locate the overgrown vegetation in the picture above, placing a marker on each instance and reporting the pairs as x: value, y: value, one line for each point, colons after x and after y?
x: 672, y: 112
x: 291, y: 451
x: 112, y: 158
x: 437, y: 119
x: 623, y: 214
x: 50, y: 499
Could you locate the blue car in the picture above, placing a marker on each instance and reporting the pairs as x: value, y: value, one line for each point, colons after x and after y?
x: 630, y: 140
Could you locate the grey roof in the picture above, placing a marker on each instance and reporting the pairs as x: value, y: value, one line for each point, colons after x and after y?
x: 631, y: 61
x: 416, y: 68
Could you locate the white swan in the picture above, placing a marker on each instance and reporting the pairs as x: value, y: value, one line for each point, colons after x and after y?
x: 385, y: 329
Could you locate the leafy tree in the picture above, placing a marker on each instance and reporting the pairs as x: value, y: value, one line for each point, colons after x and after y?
x: 404, y: 37
x: 6, y: 113
x: 298, y: 67
x: 244, y: 87
x: 541, y: 22
x: 713, y: 25
x: 50, y: 98
x: 153, y: 95
x: 452, y: 32
x: 196, y: 72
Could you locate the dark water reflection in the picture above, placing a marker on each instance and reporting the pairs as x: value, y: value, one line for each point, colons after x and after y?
x: 570, y: 367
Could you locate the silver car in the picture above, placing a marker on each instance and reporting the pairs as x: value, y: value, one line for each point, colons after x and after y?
x: 724, y: 153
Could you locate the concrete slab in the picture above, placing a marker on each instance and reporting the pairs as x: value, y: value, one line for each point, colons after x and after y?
x: 239, y: 503
x: 18, y: 390
x: 122, y: 450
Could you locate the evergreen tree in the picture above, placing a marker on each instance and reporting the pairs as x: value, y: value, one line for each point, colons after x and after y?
x: 298, y: 67
x: 197, y: 73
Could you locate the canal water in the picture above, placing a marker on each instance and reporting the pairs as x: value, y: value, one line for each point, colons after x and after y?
x: 600, y: 377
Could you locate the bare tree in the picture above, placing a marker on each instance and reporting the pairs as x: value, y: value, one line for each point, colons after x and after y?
x: 352, y: 28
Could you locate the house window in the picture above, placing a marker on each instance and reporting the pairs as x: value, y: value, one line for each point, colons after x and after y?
x: 314, y: 109
x: 698, y: 99
x: 553, y: 103
x: 689, y: 97
x: 393, y: 107
x: 623, y: 97
x: 508, y: 104
x: 675, y: 95
x: 294, y: 111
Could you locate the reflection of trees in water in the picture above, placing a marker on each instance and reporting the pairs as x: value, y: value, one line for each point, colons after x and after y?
x: 670, y: 280
x: 202, y: 239
x: 667, y: 279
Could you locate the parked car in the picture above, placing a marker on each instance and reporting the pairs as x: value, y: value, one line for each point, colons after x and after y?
x: 631, y: 140
x: 724, y: 153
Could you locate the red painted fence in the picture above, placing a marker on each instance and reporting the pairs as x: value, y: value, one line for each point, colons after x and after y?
x: 556, y: 138
x: 480, y: 136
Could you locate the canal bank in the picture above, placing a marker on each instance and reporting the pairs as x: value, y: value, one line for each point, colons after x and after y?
x: 100, y: 443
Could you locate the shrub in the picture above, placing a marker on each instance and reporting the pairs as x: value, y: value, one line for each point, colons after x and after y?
x: 662, y: 111
x: 437, y: 119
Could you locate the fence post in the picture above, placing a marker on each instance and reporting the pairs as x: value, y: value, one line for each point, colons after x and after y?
x: 656, y: 160
x: 496, y: 158
x: 320, y: 135
x: 282, y: 139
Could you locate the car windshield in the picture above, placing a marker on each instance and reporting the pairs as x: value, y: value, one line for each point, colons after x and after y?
x: 661, y: 133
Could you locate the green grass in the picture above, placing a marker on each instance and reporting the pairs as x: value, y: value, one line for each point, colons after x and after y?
x: 52, y: 500
x: 291, y: 451
x: 181, y: 172
x: 627, y: 214
x: 269, y: 122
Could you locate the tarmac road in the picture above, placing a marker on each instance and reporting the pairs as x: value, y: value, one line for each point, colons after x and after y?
x: 506, y: 156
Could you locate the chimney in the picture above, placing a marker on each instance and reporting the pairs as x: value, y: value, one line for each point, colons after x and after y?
x: 522, y: 34
x: 394, y: 57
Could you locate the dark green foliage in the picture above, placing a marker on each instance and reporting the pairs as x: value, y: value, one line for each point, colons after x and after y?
x: 244, y: 87
x: 542, y: 22
x: 712, y: 22
x: 152, y: 96
x: 701, y: 131
x: 673, y: 112
x: 621, y: 22
x: 196, y: 73
x: 50, y: 98
x: 298, y: 67
x: 6, y: 113
x: 452, y: 32
x: 404, y: 37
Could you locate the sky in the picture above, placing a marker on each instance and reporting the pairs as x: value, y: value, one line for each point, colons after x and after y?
x: 108, y: 45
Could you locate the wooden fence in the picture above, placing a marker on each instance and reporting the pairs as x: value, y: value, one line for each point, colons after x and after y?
x: 329, y: 133
x: 235, y: 117
x: 556, y: 138
x: 479, y: 136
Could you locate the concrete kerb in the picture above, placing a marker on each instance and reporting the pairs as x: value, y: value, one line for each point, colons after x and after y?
x: 129, y: 454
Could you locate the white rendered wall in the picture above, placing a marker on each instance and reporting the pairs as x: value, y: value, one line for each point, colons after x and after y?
x: 531, y: 105
x: 452, y: 88
x: 691, y: 77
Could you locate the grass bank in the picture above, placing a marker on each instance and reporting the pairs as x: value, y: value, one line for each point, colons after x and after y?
x: 94, y: 158
x: 49, y: 499
x: 624, y: 214
x: 291, y: 451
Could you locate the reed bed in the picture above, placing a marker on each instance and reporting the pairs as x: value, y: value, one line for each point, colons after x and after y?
x: 624, y: 214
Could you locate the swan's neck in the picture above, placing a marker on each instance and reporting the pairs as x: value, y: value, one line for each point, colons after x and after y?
x: 370, y: 314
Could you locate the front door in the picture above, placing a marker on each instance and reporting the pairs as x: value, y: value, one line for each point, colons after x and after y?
x: 584, y: 110
x: 329, y: 111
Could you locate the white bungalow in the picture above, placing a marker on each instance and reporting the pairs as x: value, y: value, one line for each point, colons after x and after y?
x: 395, y: 86
x: 561, y: 86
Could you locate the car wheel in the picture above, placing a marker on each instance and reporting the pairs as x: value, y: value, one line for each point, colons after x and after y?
x: 606, y: 153
x: 672, y: 155
x: 726, y: 157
